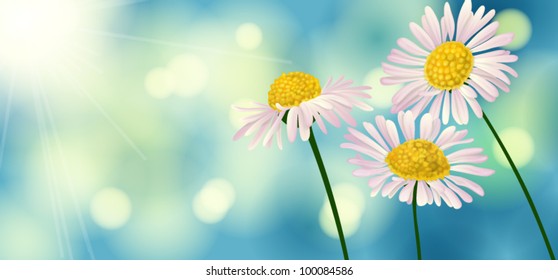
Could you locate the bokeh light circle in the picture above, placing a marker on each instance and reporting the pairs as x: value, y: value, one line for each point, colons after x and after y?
x: 381, y: 94
x: 350, y: 204
x: 519, y: 144
x: 213, y: 201
x: 517, y: 22
x: 110, y: 208
x: 190, y: 74
x: 249, y: 36
x: 159, y: 83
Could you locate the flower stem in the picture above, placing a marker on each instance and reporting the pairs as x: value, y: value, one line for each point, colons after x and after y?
x: 417, y: 235
x: 523, y: 187
x: 329, y: 192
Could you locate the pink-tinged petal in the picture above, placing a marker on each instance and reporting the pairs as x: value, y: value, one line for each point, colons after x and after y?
x: 359, y: 161
x: 397, y: 56
x: 375, y: 135
x: 367, y: 141
x: 411, y: 47
x: 402, y: 72
x: 273, y: 130
x: 459, y: 108
x: 320, y: 123
x: 367, y: 172
x: 330, y: 117
x: 475, y: 106
x: 494, y: 42
x: 446, y: 108
x: 436, y: 106
x: 491, y: 73
x: 463, y: 19
x: 258, y: 135
x: 422, y: 196
x: 292, y: 123
x: 407, y: 192
x: 436, y: 196
x: 392, y: 187
x: 449, y: 22
x: 433, y: 26
x: 346, y: 116
x: 407, y: 124
x: 486, y: 89
x: 453, y: 199
x: 483, y: 21
x: 473, y: 170
x: 497, y: 56
x: 464, y: 155
x: 381, y: 124
x: 467, y: 91
x: 466, y: 183
x: 409, y: 89
x: 279, y: 139
x: 471, y: 29
x: 425, y: 126
x: 304, y: 132
x: 421, y: 105
x: 242, y: 131
x: 406, y: 103
x: 421, y: 35
x: 461, y: 193
x: 393, y: 136
x: 378, y: 181
x: 483, y: 36
x: 387, y: 81
x: 363, y: 150
x: 445, y: 136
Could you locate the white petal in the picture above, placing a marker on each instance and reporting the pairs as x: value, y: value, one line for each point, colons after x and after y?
x: 473, y: 170
x: 421, y: 35
x: 411, y: 47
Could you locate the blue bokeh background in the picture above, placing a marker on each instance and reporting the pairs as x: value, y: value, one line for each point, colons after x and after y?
x: 119, y: 169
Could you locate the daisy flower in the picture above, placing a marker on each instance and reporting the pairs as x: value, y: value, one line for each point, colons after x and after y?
x: 452, y: 64
x: 422, y: 162
x: 298, y: 99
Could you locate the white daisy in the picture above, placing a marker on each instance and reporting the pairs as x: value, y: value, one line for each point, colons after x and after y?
x: 298, y: 99
x: 395, y: 166
x: 452, y: 65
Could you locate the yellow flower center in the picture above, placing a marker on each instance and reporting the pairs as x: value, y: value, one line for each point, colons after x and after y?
x: 449, y: 65
x: 418, y: 160
x: 292, y: 89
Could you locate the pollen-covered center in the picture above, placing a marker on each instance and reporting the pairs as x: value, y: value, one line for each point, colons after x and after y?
x: 418, y: 160
x: 292, y: 89
x: 449, y: 65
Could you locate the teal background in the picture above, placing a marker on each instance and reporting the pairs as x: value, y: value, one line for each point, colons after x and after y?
x: 160, y: 152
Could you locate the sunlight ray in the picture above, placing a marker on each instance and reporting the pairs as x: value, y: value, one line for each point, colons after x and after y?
x: 187, y: 46
x: 53, y: 180
x: 101, y: 110
x: 68, y: 179
x: 7, y: 117
x: 113, y: 4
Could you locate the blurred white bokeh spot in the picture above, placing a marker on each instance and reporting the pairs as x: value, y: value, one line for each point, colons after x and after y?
x: 214, y: 201
x: 110, y: 208
x: 517, y: 22
x: 249, y: 36
x: 190, y: 74
x: 350, y: 205
x: 159, y: 83
x: 519, y: 144
x: 381, y: 94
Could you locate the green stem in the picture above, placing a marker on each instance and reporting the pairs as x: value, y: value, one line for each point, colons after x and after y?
x: 523, y: 187
x: 329, y: 192
x: 417, y: 235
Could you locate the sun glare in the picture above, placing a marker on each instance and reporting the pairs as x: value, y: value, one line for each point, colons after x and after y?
x: 36, y: 30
